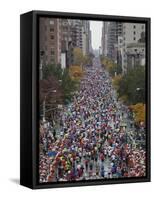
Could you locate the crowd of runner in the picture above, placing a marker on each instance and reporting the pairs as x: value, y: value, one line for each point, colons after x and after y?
x: 95, y: 139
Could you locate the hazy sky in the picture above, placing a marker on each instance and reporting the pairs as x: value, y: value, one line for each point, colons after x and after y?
x: 96, y: 30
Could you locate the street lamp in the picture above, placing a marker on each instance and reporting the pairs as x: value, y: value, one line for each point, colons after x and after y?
x: 138, y: 89
x: 60, y: 81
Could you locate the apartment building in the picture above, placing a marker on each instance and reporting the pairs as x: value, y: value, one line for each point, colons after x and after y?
x: 50, y: 40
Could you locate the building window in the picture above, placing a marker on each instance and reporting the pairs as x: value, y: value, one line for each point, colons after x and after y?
x: 134, y: 26
x: 52, y: 52
x: 134, y: 32
x: 52, y: 37
x: 51, y: 29
x: 134, y: 38
x: 51, y: 22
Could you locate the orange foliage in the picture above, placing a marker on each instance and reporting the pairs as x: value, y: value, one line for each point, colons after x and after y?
x: 139, y: 111
x: 76, y: 72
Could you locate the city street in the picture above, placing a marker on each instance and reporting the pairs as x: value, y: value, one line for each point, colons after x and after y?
x: 96, y: 138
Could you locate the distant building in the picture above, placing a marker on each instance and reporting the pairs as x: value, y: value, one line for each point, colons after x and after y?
x: 66, y: 42
x: 133, y: 51
x: 87, y: 39
x: 124, y: 43
x: 113, y: 35
x: 104, y: 38
x: 112, y: 41
x: 59, y: 37
x: 81, y: 35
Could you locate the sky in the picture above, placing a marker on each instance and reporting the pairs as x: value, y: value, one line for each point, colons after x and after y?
x: 96, y: 30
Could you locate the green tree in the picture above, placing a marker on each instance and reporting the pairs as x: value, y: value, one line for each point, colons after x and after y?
x: 68, y: 85
x: 132, y: 85
x: 62, y: 80
x: 53, y: 69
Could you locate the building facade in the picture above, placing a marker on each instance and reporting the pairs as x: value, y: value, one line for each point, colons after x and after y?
x: 124, y: 43
x: 50, y: 40
x: 58, y: 38
x: 104, y: 39
x: 133, y: 51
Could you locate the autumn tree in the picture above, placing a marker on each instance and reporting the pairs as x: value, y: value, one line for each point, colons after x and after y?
x: 78, y: 56
x: 112, y: 67
x: 51, y: 95
x: 76, y: 72
x: 139, y: 112
x: 62, y: 78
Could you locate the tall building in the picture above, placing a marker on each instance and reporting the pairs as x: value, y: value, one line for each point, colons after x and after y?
x: 124, y: 43
x: 114, y: 32
x: 104, y: 39
x: 66, y: 43
x: 50, y: 40
x: 133, y: 51
x: 112, y: 41
x: 59, y: 37
x: 81, y: 35
x: 86, y: 37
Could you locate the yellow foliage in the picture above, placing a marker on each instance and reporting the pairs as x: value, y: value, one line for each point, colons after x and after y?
x: 76, y: 72
x: 108, y: 63
x: 139, y: 111
x: 116, y: 80
x: 78, y: 56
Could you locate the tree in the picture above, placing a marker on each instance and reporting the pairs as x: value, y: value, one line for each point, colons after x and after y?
x: 62, y: 79
x: 52, y: 69
x: 51, y: 95
x: 78, y: 56
x: 76, y: 72
x: 139, y: 111
x: 68, y: 85
x: 132, y: 85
